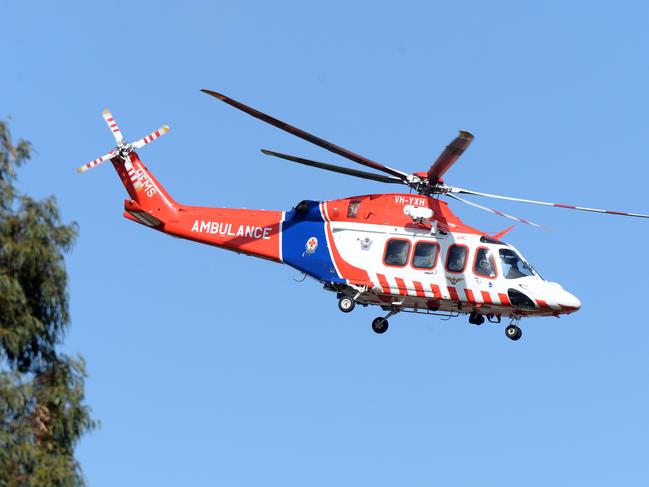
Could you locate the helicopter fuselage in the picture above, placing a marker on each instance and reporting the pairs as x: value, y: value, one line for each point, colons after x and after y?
x: 397, y: 251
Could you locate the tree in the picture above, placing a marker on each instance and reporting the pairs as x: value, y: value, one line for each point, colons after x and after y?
x: 42, y: 410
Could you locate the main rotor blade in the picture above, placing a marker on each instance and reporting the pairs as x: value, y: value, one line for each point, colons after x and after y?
x: 495, y: 212
x: 448, y: 157
x: 309, y: 137
x: 545, y: 203
x: 339, y: 169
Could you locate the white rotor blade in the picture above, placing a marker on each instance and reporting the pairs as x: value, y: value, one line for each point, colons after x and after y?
x: 92, y: 164
x: 112, y: 125
x: 545, y: 203
x: 495, y: 212
x: 151, y: 137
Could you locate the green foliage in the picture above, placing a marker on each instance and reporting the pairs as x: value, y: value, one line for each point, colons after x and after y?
x: 42, y: 414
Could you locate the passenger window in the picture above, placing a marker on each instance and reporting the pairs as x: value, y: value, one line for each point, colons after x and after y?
x: 352, y: 209
x: 396, y: 252
x: 425, y: 255
x: 456, y: 258
x: 484, y: 263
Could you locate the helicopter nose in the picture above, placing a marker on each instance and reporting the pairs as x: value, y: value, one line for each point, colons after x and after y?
x: 569, y: 302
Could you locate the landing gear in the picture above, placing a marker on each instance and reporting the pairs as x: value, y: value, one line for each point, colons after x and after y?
x: 476, y: 318
x: 380, y: 325
x: 513, y: 332
x: 346, y: 304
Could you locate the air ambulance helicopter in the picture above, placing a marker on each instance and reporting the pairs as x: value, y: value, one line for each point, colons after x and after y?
x: 403, y: 252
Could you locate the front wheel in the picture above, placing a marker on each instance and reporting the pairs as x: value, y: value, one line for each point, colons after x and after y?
x: 513, y: 332
x: 346, y: 304
x: 380, y: 325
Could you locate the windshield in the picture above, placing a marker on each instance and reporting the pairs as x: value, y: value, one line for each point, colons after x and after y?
x: 514, y: 266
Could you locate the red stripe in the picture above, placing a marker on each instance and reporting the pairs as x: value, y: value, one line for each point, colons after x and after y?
x: 568, y: 309
x: 401, y: 286
x: 157, y: 134
x: 542, y: 304
x: 565, y: 206
x: 486, y: 297
x: 419, y: 288
x: 436, y: 292
x: 453, y: 293
x: 503, y: 299
x: 384, y: 283
x: 469, y: 295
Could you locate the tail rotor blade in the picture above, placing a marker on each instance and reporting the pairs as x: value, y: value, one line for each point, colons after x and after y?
x: 151, y: 137
x: 545, y: 203
x: 495, y: 212
x: 112, y: 125
x: 94, y: 163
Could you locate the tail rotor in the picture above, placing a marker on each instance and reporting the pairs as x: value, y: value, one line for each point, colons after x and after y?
x: 123, y: 149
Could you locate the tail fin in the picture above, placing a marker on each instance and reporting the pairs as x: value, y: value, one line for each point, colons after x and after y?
x: 150, y: 203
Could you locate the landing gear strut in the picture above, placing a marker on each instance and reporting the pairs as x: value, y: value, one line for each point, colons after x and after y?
x: 380, y: 324
x: 513, y: 332
x: 346, y: 304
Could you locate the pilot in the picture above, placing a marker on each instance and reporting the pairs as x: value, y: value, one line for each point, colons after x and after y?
x: 514, y: 272
x: 485, y: 267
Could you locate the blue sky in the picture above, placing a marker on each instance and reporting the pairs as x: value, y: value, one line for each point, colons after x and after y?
x: 209, y: 368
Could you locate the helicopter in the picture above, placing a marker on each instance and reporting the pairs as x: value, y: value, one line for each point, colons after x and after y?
x: 402, y: 252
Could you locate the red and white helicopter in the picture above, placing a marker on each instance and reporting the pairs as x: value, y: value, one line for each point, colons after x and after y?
x: 404, y: 252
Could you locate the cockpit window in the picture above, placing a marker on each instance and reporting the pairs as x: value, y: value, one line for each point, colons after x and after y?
x: 456, y: 258
x: 425, y: 255
x: 396, y: 252
x: 484, y: 263
x: 513, y: 266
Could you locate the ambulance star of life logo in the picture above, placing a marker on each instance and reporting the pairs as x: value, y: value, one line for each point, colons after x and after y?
x: 311, y: 245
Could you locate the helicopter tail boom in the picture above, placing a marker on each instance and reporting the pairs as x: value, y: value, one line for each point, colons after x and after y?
x: 251, y: 232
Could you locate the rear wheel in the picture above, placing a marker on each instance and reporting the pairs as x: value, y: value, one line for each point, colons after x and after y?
x: 513, y: 332
x: 380, y: 325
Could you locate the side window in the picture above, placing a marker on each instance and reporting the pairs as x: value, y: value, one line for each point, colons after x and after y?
x: 425, y: 255
x: 456, y: 258
x: 513, y: 266
x: 352, y: 209
x: 396, y: 252
x: 484, y: 264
